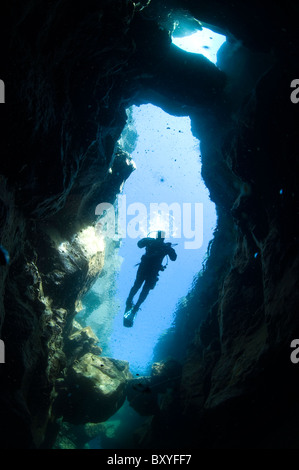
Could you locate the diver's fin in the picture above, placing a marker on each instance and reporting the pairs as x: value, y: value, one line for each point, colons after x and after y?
x: 129, y: 306
x: 129, y: 318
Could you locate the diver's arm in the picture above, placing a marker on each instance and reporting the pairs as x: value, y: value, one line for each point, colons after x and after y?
x: 143, y: 242
x: 172, y: 254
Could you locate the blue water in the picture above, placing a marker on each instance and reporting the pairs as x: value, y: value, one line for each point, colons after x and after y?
x: 168, y: 170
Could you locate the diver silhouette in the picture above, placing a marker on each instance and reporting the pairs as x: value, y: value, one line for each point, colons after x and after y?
x: 148, y: 271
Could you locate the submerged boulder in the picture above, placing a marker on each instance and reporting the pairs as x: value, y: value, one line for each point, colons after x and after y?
x: 72, y: 436
x: 93, y: 390
x: 81, y: 341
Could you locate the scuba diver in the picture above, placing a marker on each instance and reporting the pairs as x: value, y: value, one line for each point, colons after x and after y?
x: 148, y: 271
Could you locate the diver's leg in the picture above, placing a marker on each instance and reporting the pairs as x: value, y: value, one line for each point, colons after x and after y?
x: 137, y: 284
x: 150, y: 282
x: 143, y: 295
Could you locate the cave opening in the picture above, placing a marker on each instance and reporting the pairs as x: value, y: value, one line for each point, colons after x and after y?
x: 202, y: 40
x: 168, y: 175
x: 165, y: 192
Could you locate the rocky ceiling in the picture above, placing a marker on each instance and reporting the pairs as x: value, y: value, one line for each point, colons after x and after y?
x: 70, y: 71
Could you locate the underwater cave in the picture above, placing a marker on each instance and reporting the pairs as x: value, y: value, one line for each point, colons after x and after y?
x: 149, y: 116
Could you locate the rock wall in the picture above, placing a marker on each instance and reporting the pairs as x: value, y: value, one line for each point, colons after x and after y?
x: 61, y: 121
x: 70, y: 71
x: 238, y: 382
